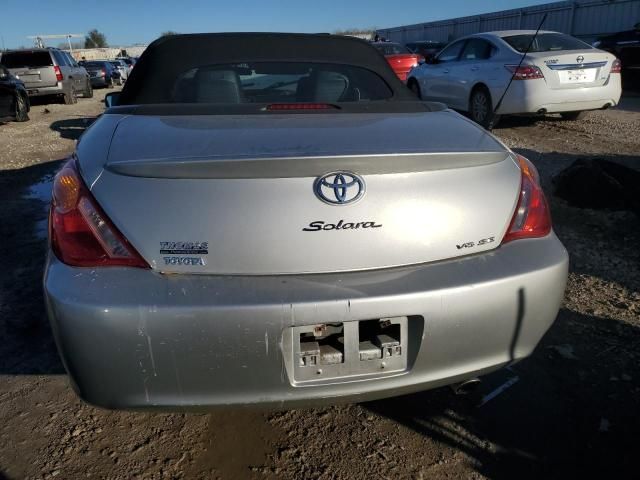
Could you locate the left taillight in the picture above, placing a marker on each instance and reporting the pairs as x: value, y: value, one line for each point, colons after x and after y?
x: 58, y: 72
x: 525, y: 72
x: 81, y: 234
x: 532, y: 218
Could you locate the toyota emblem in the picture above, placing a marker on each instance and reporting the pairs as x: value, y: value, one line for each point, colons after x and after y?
x: 339, y: 188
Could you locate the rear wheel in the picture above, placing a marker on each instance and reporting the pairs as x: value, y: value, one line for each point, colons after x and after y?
x: 22, y: 109
x: 70, y: 98
x: 88, y: 90
x: 572, y: 116
x: 415, y: 88
x: 481, y: 108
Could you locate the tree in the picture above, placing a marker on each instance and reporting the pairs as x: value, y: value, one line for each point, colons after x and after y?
x: 95, y: 39
x: 168, y: 33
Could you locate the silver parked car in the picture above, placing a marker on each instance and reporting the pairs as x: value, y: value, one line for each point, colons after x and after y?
x: 249, y: 225
x: 48, y: 71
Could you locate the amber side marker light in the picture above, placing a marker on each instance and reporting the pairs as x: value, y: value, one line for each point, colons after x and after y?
x: 80, y: 232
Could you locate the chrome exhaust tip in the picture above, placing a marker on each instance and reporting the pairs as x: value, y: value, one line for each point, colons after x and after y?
x: 466, y: 387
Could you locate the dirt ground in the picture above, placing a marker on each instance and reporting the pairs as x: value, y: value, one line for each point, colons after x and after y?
x: 571, y: 410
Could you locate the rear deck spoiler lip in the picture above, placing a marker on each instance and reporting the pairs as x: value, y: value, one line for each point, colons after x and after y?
x: 297, y: 166
x: 574, y: 66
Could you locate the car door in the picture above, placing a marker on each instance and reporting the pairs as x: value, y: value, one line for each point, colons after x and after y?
x: 7, y: 94
x: 435, y: 82
x: 472, y: 67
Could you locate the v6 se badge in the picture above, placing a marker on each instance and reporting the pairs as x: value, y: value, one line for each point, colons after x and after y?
x: 479, y: 243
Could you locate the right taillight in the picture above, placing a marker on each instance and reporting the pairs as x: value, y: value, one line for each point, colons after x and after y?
x: 525, y: 72
x: 616, y: 66
x: 103, y: 72
x: 532, y: 217
x: 80, y: 232
x: 56, y: 69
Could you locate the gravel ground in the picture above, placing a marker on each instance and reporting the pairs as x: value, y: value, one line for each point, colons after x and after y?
x: 571, y: 410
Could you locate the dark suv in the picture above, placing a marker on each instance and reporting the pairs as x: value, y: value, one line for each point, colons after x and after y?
x: 48, y: 71
x: 102, y: 73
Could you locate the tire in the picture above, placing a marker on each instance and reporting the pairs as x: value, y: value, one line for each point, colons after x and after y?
x: 88, y: 91
x: 573, y: 116
x: 481, y: 108
x: 70, y: 98
x: 415, y: 88
x: 22, y: 109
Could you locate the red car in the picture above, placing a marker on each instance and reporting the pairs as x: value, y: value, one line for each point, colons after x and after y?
x: 399, y: 57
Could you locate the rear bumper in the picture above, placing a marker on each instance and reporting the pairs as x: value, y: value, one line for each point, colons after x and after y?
x: 132, y: 338
x: 532, y: 96
x: 99, y: 82
x: 36, y: 91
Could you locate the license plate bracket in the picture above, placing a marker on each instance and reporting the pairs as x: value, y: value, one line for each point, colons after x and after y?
x: 346, y: 351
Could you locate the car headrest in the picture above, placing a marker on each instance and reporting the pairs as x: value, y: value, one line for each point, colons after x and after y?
x: 217, y: 86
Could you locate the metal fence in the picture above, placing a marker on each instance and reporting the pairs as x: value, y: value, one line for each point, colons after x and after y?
x: 586, y: 19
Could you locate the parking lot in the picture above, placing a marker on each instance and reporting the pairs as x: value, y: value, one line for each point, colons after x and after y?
x: 568, y: 411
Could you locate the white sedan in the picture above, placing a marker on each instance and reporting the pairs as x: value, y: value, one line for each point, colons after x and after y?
x: 559, y: 74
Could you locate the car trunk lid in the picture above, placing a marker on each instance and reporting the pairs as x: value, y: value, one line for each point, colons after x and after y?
x: 94, y: 72
x: 573, y: 69
x: 235, y: 194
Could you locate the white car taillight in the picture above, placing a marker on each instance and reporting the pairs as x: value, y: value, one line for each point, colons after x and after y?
x: 616, y: 66
x: 525, y: 72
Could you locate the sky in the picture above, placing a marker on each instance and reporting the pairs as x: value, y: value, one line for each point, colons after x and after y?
x: 127, y: 22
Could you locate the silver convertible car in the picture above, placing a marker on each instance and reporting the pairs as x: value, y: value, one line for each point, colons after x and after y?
x: 276, y: 219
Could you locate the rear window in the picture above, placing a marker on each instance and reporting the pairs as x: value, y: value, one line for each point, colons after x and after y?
x: 545, y: 42
x: 392, y: 49
x: 26, y: 59
x: 278, y: 82
x: 93, y: 64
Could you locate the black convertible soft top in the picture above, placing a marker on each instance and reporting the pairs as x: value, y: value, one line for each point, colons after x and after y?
x: 170, y: 56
